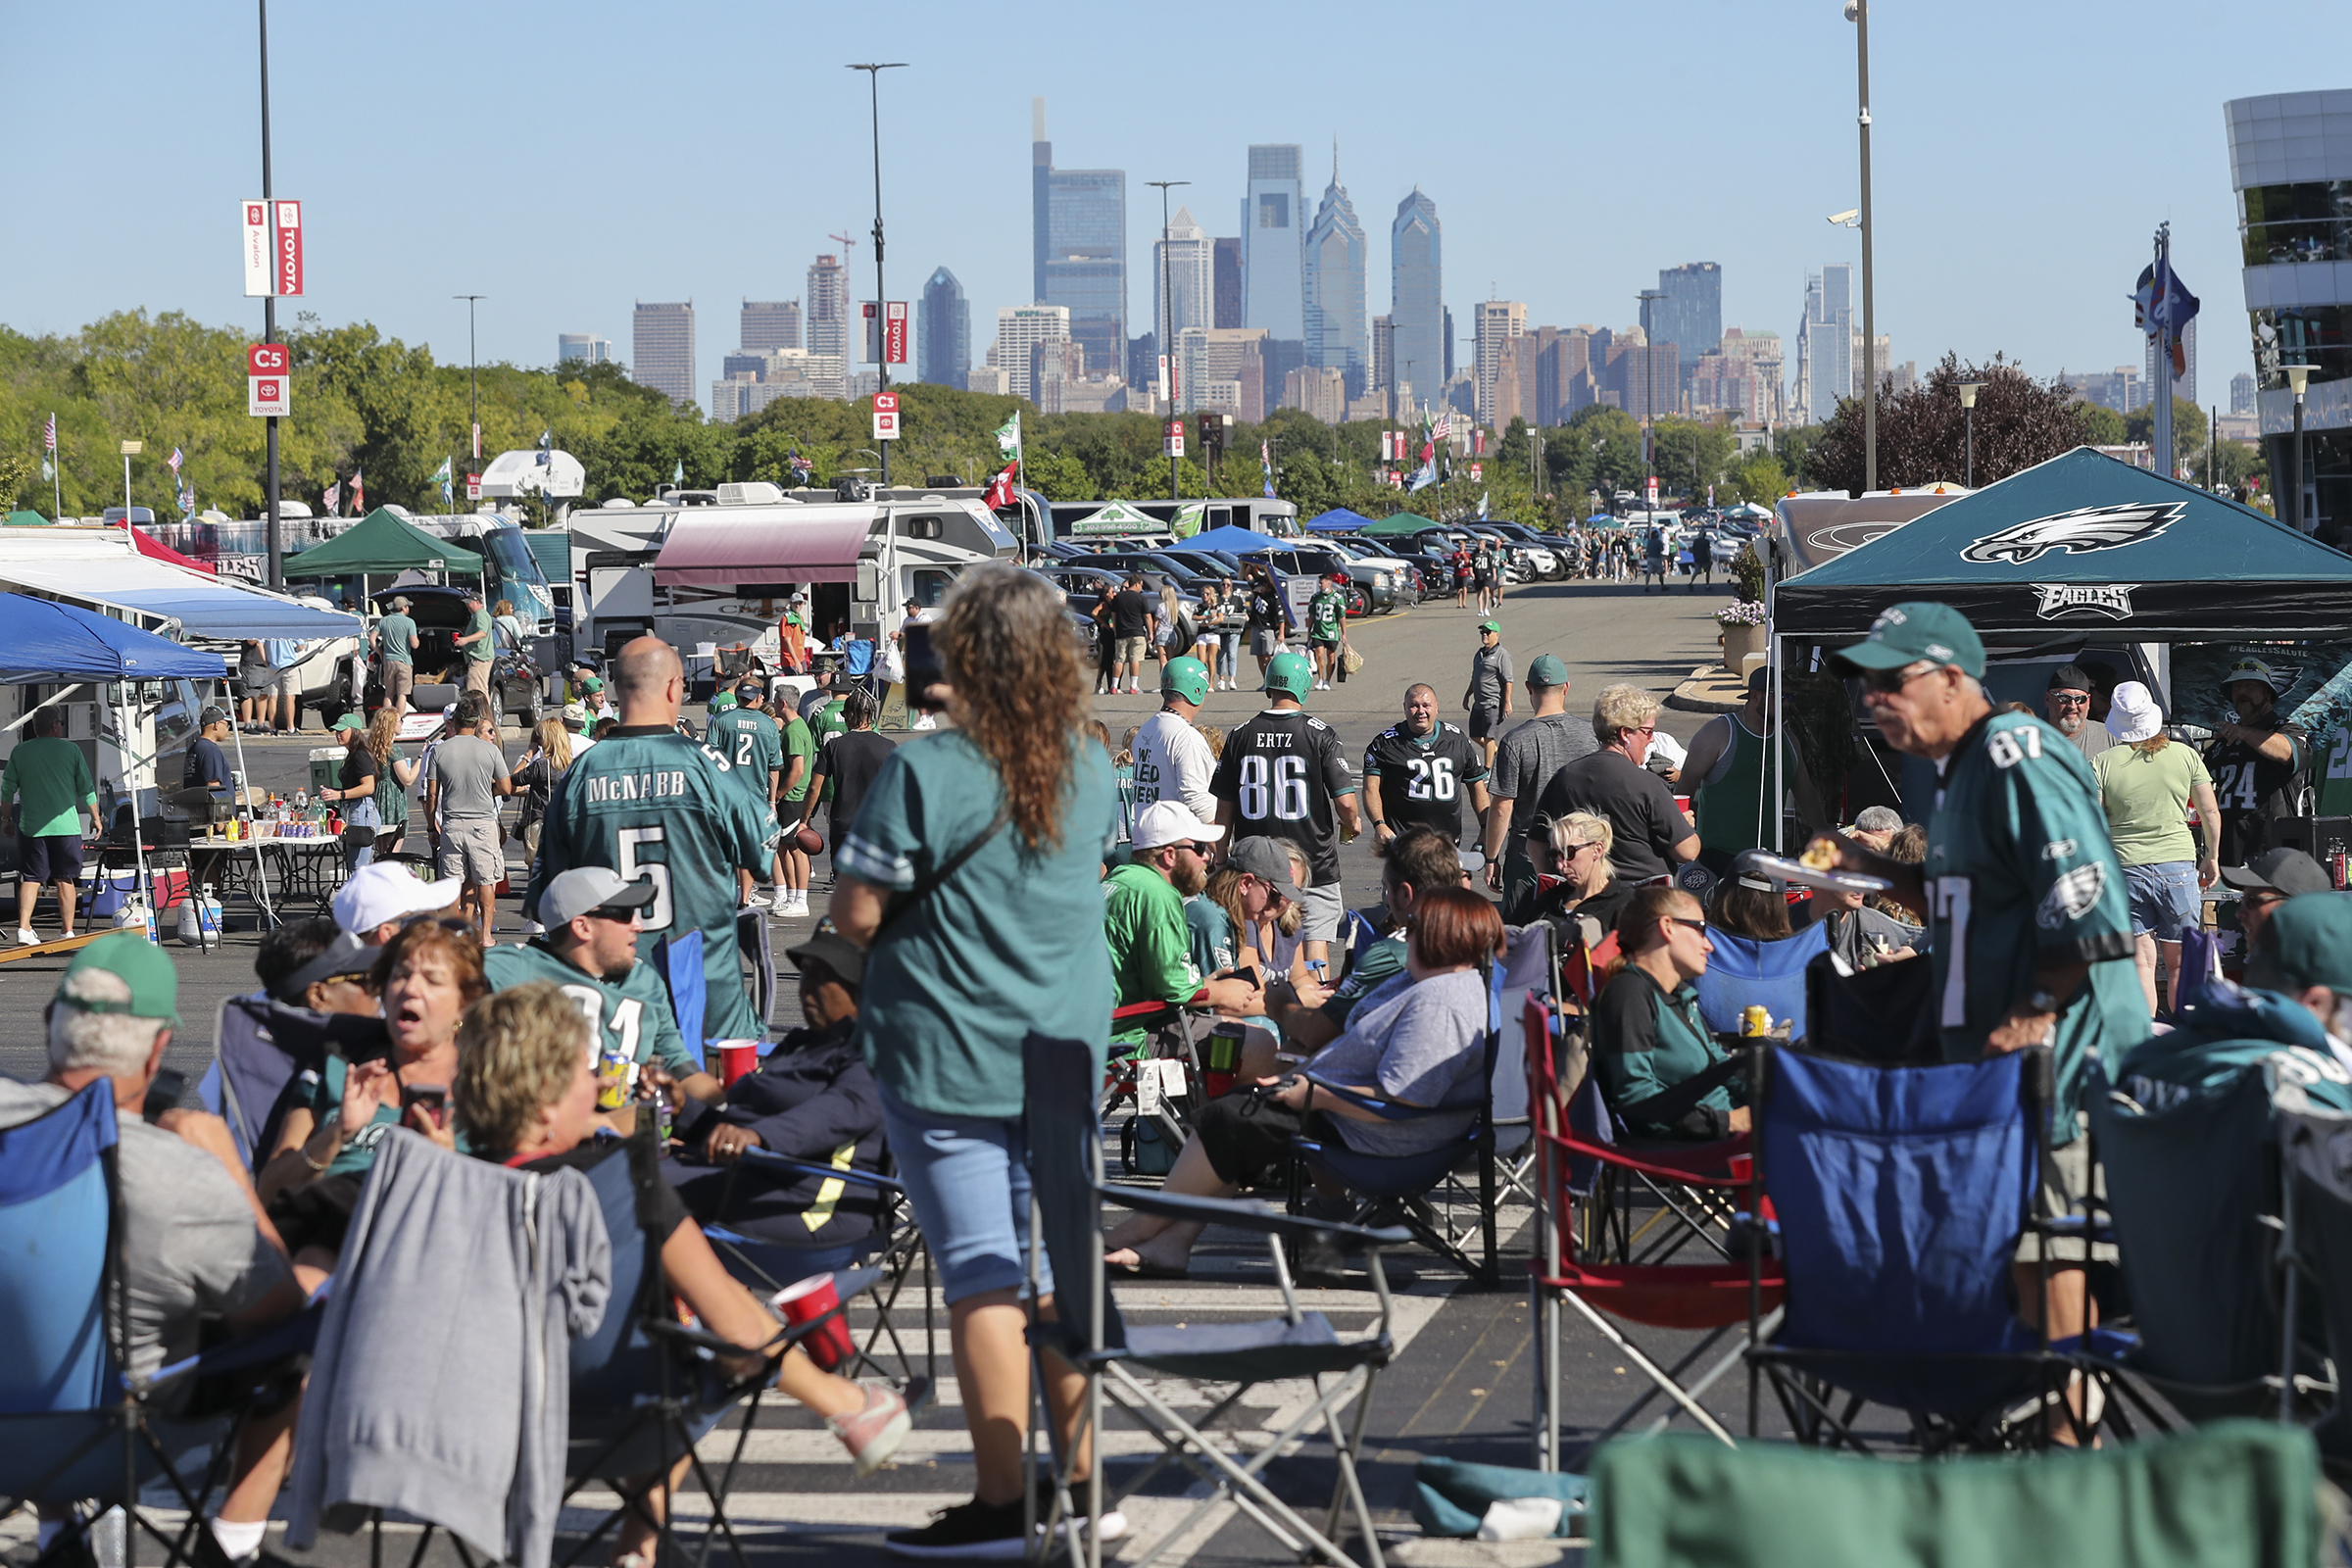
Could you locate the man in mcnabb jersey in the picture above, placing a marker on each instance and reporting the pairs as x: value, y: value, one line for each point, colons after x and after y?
x: 1420, y: 770
x: 1282, y: 776
x: 653, y: 805
x: 2261, y: 766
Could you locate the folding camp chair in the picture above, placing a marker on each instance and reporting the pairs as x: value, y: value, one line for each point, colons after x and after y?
x: 1160, y: 1117
x: 260, y: 1046
x: 73, y: 1427
x: 1743, y: 971
x: 2314, y: 1152
x: 1429, y: 1194
x: 1900, y: 1195
x: 1066, y: 1193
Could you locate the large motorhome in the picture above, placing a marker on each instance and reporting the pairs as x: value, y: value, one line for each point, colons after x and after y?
x: 716, y: 569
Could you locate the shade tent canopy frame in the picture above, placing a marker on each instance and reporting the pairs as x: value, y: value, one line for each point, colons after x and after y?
x: 2083, y: 543
x: 1338, y: 519
x: 1399, y: 523
x: 384, y: 543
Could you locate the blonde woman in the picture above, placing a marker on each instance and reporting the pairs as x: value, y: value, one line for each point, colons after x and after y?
x: 1587, y: 886
x: 549, y: 757
x: 1204, y: 635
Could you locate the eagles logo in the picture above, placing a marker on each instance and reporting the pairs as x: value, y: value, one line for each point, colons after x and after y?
x: 2083, y: 531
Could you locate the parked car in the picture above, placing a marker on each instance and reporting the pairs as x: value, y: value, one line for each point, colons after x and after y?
x: 516, y: 681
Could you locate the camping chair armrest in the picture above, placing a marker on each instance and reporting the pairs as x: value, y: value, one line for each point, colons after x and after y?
x: 1672, y: 1104
x: 785, y: 1164
x: 1385, y: 1109
x: 847, y: 1286
x: 1243, y: 1214
x: 1145, y: 1009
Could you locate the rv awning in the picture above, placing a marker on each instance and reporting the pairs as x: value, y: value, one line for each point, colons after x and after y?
x: 206, y: 607
x: 706, y: 549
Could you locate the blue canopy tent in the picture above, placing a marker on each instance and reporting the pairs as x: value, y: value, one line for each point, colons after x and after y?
x: 1338, y: 519
x: 1233, y: 540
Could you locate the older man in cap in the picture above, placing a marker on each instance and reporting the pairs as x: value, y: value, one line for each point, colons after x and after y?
x: 2261, y: 766
x: 2021, y: 891
x: 396, y: 643
x: 2067, y: 703
x: 1527, y: 760
x: 477, y: 644
x: 195, y: 1245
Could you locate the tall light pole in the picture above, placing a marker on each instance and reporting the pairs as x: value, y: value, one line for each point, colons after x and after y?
x: 473, y: 402
x: 2296, y: 376
x: 276, y: 551
x: 1968, y: 405
x: 873, y: 80
x: 131, y: 450
x: 1167, y: 312
x: 1857, y: 11
x: 1650, y: 399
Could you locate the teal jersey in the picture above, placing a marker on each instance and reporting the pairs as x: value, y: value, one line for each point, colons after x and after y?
x: 629, y: 1016
x: 2019, y: 865
x: 831, y: 720
x: 651, y: 805
x: 1325, y: 614
x: 751, y: 743
x: 1211, y: 931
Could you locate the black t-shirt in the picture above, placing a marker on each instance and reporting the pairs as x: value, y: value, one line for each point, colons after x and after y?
x: 1282, y: 769
x: 850, y: 759
x: 1131, y: 611
x: 1265, y: 611
x: 206, y: 765
x: 1639, y: 806
x: 1424, y: 780
x: 356, y: 765
x: 585, y: 1157
x: 2253, y: 791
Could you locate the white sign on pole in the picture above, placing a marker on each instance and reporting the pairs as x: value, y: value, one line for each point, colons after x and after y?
x: 266, y: 395
x: 1173, y: 444
x: 886, y: 416
x: 258, y: 247
x: 473, y: 487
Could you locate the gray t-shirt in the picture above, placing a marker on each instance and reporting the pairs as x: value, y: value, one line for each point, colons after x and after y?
x: 1527, y: 757
x: 190, y: 1248
x: 2093, y: 740
x: 466, y: 767
x: 1423, y: 1043
x: 1490, y: 676
x: 396, y: 634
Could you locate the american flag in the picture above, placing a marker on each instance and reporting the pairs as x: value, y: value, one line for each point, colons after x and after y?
x: 359, y: 493
x: 332, y: 500
x: 1442, y: 430
x: 49, y: 434
x: 174, y: 460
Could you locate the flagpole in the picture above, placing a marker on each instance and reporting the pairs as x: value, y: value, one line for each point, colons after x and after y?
x: 2162, y: 310
x: 277, y: 552
x: 57, y: 473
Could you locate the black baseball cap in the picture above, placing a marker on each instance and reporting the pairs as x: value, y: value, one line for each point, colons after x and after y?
x: 2070, y: 678
x: 835, y: 951
x: 2287, y: 872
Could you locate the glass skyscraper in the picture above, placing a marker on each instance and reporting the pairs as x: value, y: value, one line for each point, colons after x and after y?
x: 1690, y: 316
x: 1079, y: 227
x: 1272, y: 292
x: 1335, y: 287
x: 1418, y: 298
x: 942, y: 337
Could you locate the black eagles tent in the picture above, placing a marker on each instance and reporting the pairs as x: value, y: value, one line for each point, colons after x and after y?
x: 2083, y: 543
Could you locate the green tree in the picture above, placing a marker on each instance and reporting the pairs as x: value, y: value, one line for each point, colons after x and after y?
x: 2188, y: 432
x: 2102, y: 427
x: 1922, y: 431
x: 1611, y: 439
x: 1758, y: 478
x: 1059, y: 476
x: 1691, y: 454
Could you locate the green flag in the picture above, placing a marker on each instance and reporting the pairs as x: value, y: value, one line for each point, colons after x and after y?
x: 1009, y: 435
x: 677, y: 476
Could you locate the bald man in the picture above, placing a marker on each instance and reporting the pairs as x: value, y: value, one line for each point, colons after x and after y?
x: 653, y: 805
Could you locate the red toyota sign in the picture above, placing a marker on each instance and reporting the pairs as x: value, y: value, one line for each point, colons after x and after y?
x: 894, y: 332
x: 267, y: 358
x: 288, y: 233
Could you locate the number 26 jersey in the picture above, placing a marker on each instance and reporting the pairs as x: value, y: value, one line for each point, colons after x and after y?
x: 1425, y: 778
x: 1282, y: 770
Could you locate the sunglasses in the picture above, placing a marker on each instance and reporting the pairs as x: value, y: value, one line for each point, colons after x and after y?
x: 623, y: 916
x: 1889, y: 681
x: 1684, y: 919
x: 2070, y: 699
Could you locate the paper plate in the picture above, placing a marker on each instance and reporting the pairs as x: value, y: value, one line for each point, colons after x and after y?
x: 1758, y: 863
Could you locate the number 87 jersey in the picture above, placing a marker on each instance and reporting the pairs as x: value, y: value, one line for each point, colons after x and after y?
x: 1281, y: 773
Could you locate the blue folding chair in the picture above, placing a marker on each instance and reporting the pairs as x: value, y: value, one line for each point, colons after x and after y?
x: 259, y: 1048
x: 1900, y: 1193
x: 679, y: 958
x: 1743, y: 971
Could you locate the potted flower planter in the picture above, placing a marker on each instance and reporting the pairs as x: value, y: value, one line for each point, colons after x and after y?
x: 1741, y: 638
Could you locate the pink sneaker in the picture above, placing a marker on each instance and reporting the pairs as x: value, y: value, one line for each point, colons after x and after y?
x: 874, y: 1433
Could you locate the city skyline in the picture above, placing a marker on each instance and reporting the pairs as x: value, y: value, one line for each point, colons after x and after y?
x: 951, y: 174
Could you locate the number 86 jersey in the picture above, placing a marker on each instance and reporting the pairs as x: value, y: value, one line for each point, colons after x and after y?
x: 1281, y: 773
x: 1425, y: 778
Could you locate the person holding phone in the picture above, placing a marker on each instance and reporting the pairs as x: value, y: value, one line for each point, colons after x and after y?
x: 1142, y: 916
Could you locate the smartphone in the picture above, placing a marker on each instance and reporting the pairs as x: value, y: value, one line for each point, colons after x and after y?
x: 1249, y: 975
x: 162, y: 1093
x: 923, y: 665
x: 434, y: 1098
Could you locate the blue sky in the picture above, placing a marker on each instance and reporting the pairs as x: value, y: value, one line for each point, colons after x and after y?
x: 566, y: 159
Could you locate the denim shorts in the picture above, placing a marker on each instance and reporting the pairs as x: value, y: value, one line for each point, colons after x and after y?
x: 967, y: 1178
x: 2163, y: 898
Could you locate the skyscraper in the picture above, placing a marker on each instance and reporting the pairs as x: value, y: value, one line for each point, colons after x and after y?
x: 828, y: 312
x: 588, y: 348
x: 1020, y: 329
x: 769, y: 325
x: 1182, y: 271
x: 1690, y: 316
x: 1416, y: 292
x: 2241, y: 389
x: 1272, y: 295
x: 1227, y: 270
x: 1499, y: 323
x: 662, y: 350
x: 1335, y: 287
x: 943, y: 336
x: 1825, y: 342
x: 1079, y: 224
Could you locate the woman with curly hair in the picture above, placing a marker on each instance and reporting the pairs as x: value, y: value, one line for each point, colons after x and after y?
x: 973, y: 872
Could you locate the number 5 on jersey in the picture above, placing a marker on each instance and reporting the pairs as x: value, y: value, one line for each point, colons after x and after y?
x: 1285, y: 800
x: 629, y: 841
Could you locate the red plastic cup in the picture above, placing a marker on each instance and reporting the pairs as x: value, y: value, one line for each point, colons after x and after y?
x: 829, y: 1346
x: 736, y: 1060
x: 1743, y: 1166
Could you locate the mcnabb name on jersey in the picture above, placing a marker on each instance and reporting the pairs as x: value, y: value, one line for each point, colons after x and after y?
x: 652, y: 786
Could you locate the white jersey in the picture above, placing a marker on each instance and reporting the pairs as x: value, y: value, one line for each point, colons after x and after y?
x: 1172, y: 762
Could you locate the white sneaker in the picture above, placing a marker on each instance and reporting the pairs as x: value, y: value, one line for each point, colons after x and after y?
x: 25, y: 938
x: 755, y: 901
x: 799, y: 904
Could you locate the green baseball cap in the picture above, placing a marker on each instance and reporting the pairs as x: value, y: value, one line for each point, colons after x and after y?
x: 139, y: 963
x: 1187, y: 679
x: 1548, y: 670
x: 1916, y: 629
x: 592, y: 683
x: 348, y: 721
x: 2308, y: 941
x: 1486, y: 626
x: 1289, y: 675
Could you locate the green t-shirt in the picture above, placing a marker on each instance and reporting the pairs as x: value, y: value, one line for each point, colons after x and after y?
x: 747, y: 739
x: 649, y: 803
x: 800, y: 743
x: 391, y: 796
x: 952, y: 985
x: 479, y: 652
x: 1326, y: 613
x: 1151, y: 943
x: 831, y: 719
x: 631, y: 1013
x: 2019, y: 863
x: 55, y: 782
x: 358, y: 1143
x: 396, y: 635
x: 2146, y: 797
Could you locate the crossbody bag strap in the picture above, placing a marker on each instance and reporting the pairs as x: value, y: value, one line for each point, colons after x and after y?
x: 925, y: 886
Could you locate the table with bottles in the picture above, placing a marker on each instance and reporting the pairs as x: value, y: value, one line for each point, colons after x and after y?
x: 292, y: 849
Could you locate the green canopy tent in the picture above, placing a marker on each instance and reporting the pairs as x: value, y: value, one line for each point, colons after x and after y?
x: 380, y: 543
x: 2083, y: 542
x: 1396, y: 523
x: 27, y: 519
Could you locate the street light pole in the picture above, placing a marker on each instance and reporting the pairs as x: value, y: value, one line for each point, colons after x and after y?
x: 1167, y: 312
x: 1858, y: 13
x: 2296, y: 376
x: 1650, y: 399
x: 1968, y: 405
x: 473, y: 402
x: 275, y: 549
x: 873, y: 79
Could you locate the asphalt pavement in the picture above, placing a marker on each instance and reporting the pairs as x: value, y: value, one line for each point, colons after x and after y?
x: 1462, y: 1380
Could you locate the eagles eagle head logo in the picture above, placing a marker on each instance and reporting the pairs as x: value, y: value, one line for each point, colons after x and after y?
x: 2082, y: 532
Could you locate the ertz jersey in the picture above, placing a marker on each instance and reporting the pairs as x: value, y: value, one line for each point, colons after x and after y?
x: 1282, y: 770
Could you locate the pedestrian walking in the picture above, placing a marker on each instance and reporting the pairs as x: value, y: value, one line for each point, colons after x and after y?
x: 1703, y: 558
x: 1487, y: 697
x: 396, y: 641
x: 1526, y: 763
x: 1326, y: 626
x: 476, y: 643
x: 1418, y: 772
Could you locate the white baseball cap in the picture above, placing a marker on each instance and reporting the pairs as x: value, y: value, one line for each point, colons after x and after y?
x: 381, y: 893
x: 1167, y: 823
